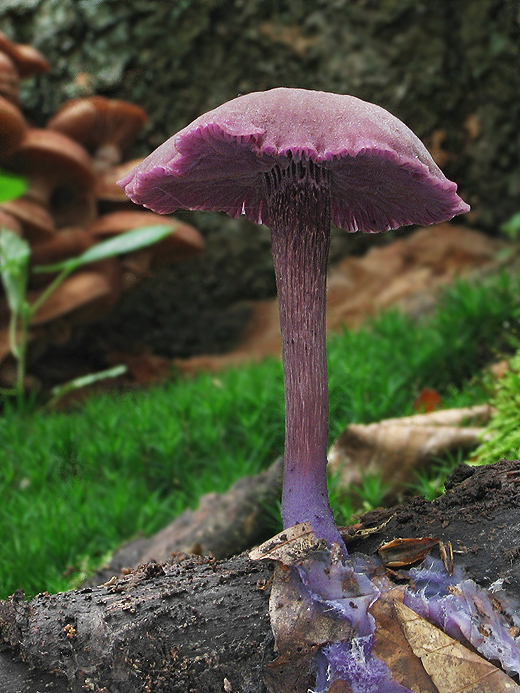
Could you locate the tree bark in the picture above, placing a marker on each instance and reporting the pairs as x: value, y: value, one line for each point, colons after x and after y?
x: 185, y: 625
x: 223, y: 525
x: 195, y: 624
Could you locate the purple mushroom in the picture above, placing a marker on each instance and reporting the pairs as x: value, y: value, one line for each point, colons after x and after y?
x: 297, y: 160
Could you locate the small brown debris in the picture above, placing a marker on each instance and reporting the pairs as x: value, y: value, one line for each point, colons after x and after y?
x: 70, y: 631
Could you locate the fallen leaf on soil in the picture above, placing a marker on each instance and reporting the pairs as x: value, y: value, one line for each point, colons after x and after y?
x: 396, y: 448
x: 402, y: 552
x: 287, y: 546
x: 393, y: 648
x: 301, y: 623
x: 452, y: 667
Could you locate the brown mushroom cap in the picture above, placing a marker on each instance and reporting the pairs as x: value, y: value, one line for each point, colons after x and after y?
x: 12, y: 127
x: 9, y: 79
x: 8, y: 221
x: 106, y: 127
x: 107, y: 189
x: 60, y: 173
x: 83, y: 297
x: 28, y: 60
x: 65, y: 244
x: 183, y: 242
x: 37, y: 224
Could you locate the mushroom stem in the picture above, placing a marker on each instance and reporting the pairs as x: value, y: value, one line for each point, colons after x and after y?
x: 299, y: 214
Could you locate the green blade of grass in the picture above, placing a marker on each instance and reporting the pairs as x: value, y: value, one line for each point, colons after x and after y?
x: 122, y: 244
x: 14, y: 266
x: 11, y: 186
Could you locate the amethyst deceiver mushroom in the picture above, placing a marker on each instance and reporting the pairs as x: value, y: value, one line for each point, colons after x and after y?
x: 297, y: 160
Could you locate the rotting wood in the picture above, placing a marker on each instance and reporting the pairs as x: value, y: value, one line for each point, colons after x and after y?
x: 188, y: 624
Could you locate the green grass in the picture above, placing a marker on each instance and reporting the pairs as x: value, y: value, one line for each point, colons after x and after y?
x: 74, y: 485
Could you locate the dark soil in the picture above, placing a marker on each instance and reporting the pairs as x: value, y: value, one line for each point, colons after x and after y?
x: 479, y: 514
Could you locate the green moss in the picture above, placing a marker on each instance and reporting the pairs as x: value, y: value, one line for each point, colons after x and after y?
x: 504, y: 429
x: 74, y: 485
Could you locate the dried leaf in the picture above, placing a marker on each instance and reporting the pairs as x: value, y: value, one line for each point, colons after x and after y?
x: 427, y: 400
x: 452, y: 667
x: 402, y: 552
x: 396, y: 448
x: 394, y: 649
x: 300, y: 625
x: 287, y: 547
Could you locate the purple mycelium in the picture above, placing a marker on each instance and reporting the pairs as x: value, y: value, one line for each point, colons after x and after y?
x: 354, y: 663
x: 345, y: 589
x: 455, y: 604
x: 298, y: 160
x: 464, y: 611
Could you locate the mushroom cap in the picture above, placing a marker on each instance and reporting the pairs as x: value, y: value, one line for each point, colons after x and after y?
x: 88, y: 295
x: 10, y: 222
x: 28, y: 60
x: 65, y: 244
x: 107, y: 189
x: 61, y: 175
x: 381, y: 175
x: 184, y: 242
x: 96, y: 121
x: 9, y: 79
x: 37, y: 224
x: 51, y: 154
x: 114, y: 223
x: 12, y: 127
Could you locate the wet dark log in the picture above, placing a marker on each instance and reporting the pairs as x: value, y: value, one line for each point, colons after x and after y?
x: 223, y: 525
x: 186, y: 625
x: 197, y: 624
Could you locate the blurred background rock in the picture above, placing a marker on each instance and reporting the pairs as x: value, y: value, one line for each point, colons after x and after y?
x: 449, y: 70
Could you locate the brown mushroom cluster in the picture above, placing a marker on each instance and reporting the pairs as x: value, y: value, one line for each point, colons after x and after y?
x: 72, y: 203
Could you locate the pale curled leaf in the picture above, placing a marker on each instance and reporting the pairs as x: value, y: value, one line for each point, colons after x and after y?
x: 452, y: 667
x: 396, y: 448
x: 287, y: 546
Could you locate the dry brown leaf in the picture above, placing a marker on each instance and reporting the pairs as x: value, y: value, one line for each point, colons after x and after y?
x: 407, y: 273
x: 300, y: 623
x: 452, y: 667
x: 402, y: 552
x: 393, y: 648
x: 395, y: 448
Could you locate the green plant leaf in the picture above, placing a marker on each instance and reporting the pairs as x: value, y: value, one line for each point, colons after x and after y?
x: 60, y: 391
x: 119, y: 245
x: 11, y: 186
x: 512, y: 227
x: 14, y: 268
